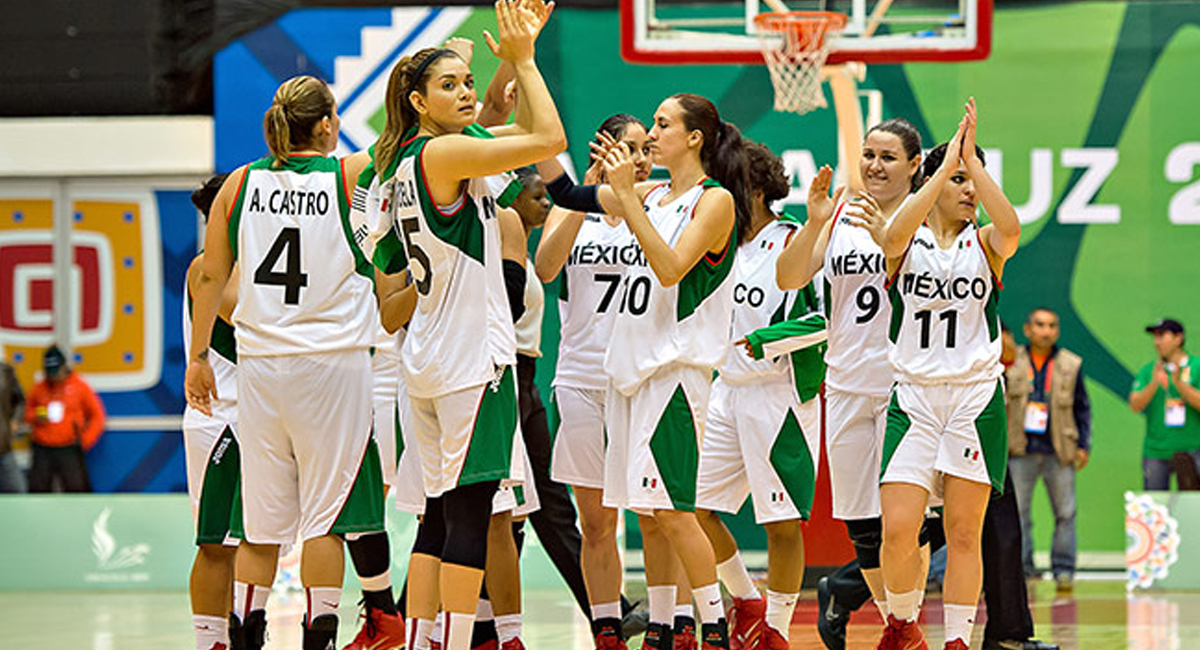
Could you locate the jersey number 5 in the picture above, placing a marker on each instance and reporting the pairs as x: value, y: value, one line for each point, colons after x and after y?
x: 408, y: 226
x: 292, y: 279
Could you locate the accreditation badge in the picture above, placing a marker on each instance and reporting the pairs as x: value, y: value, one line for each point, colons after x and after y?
x: 1176, y: 413
x: 1037, y: 416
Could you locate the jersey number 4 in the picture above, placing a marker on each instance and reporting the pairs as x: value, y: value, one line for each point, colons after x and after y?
x: 292, y: 279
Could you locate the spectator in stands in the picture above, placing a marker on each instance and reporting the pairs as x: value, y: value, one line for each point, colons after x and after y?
x: 67, y: 419
x: 12, y: 402
x: 1166, y: 390
x: 1049, y: 435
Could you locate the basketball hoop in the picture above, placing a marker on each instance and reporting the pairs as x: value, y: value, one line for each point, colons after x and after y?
x: 796, y: 60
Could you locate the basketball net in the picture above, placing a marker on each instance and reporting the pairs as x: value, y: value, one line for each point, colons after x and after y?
x: 795, y: 45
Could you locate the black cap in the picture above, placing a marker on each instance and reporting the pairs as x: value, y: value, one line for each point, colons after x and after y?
x: 53, y: 360
x: 1166, y: 325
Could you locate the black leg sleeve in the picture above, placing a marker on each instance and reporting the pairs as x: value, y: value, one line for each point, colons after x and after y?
x: 554, y: 522
x: 1003, y: 576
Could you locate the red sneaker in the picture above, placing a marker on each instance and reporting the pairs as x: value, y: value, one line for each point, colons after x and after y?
x: 379, y: 631
x: 772, y: 640
x: 217, y: 645
x: 747, y: 618
x: 490, y: 644
x: 957, y: 644
x: 610, y: 642
x: 513, y: 644
x: 685, y: 640
x: 902, y: 635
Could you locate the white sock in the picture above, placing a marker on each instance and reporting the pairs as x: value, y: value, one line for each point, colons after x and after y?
x: 708, y: 603
x: 483, y: 611
x: 210, y: 630
x: 249, y: 598
x: 376, y: 583
x: 438, y: 634
x: 882, y: 606
x: 508, y: 627
x: 779, y: 611
x: 322, y: 601
x: 959, y: 620
x: 606, y: 610
x: 736, y: 579
x: 904, y: 606
x: 420, y: 633
x: 685, y: 610
x: 458, y: 628
x: 662, y: 604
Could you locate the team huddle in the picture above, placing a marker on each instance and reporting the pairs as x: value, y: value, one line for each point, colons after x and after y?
x: 363, y: 329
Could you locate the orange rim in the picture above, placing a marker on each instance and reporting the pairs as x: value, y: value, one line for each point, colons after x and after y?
x: 800, y: 27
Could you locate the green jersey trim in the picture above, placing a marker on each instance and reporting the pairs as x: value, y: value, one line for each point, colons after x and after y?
x: 708, y: 274
x: 462, y: 228
x: 234, y: 220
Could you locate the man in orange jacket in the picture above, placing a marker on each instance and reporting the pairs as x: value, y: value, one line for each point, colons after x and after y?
x: 67, y: 419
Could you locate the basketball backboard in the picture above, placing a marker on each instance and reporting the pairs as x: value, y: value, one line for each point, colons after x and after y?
x: 877, y: 31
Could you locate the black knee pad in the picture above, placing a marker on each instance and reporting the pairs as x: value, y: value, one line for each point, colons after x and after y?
x: 431, y: 533
x: 867, y: 537
x: 933, y: 533
x: 467, y: 511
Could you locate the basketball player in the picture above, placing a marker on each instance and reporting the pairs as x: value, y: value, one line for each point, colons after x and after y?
x: 764, y: 419
x: 946, y: 423
x: 460, y: 346
x: 304, y: 386
x: 591, y: 251
x: 211, y: 449
x: 669, y: 334
x: 859, y: 375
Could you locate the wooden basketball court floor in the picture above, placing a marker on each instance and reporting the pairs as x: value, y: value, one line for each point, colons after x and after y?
x: 1098, y: 616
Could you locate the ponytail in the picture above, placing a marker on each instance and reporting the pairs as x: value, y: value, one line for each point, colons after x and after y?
x: 727, y: 164
x: 723, y: 153
x: 299, y: 104
x: 410, y: 74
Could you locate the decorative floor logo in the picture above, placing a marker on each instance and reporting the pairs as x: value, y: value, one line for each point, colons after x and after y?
x: 113, y: 562
x: 1151, y: 540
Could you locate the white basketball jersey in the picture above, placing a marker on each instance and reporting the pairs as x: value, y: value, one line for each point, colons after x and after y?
x: 857, y: 309
x: 462, y: 327
x: 305, y: 286
x: 529, y: 326
x: 223, y: 354
x: 686, y: 323
x: 589, y: 295
x: 945, y: 325
x: 759, y: 302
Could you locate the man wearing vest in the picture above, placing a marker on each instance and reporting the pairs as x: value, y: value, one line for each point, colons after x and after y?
x: 1049, y: 435
x: 1167, y: 391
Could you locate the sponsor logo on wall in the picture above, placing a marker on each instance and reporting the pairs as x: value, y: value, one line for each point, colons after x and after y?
x: 116, y: 562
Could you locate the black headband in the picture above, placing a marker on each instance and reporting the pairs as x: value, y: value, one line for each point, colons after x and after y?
x: 424, y: 65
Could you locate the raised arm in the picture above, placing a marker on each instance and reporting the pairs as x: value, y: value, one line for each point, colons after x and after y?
x: 909, y: 217
x: 709, y: 230
x: 1002, y: 235
x: 450, y: 159
x: 805, y: 254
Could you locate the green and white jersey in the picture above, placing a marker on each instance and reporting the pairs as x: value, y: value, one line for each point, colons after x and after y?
x: 857, y: 309
x: 223, y: 345
x: 945, y: 325
x: 758, y: 303
x: 687, y: 323
x: 588, y: 298
x: 462, y: 327
x: 305, y: 286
